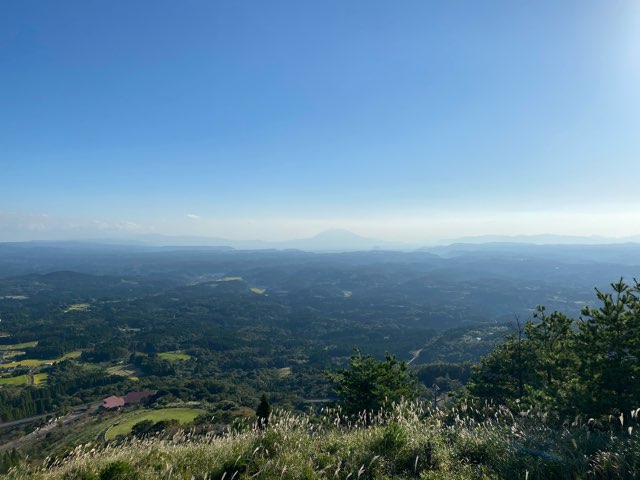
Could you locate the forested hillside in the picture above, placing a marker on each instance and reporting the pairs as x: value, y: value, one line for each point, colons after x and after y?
x: 500, y: 384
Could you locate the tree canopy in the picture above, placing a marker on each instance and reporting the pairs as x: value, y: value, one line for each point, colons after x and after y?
x: 370, y: 385
x: 586, y: 366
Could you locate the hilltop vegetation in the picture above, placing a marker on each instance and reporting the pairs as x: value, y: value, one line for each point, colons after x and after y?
x: 406, y: 442
x: 589, y: 366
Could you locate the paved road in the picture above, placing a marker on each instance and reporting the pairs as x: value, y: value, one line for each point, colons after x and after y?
x: 22, y: 421
x: 77, y: 414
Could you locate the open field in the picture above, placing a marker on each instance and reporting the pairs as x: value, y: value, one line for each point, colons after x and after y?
x: 18, y: 346
x: 38, y: 379
x: 69, y: 356
x: 35, y: 362
x: 182, y: 415
x: 128, y: 371
x: 19, y: 380
x: 10, y: 354
x: 121, y: 370
x: 29, y: 362
x: 174, y: 356
x: 77, y: 307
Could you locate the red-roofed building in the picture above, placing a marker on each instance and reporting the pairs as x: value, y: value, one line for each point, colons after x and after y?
x: 131, y: 398
x: 112, y: 402
x: 138, y: 397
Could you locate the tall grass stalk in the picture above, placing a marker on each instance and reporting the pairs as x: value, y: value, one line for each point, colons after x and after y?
x: 409, y: 441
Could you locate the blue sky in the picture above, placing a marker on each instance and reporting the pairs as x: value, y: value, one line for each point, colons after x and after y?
x: 408, y: 120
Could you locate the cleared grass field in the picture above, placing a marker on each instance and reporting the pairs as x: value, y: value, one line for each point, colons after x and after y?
x: 40, y: 378
x: 19, y: 380
x: 18, y: 346
x: 182, y: 415
x: 9, y: 354
x: 174, y: 356
x: 121, y: 370
x: 128, y: 371
x: 29, y: 362
x: 70, y: 355
x: 78, y: 307
x: 35, y: 362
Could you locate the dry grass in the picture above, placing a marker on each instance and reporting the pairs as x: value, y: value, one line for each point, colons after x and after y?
x: 409, y: 442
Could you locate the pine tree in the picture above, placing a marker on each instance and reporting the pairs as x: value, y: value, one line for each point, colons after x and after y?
x: 371, y: 385
x: 552, y: 342
x: 591, y: 370
x: 609, y: 352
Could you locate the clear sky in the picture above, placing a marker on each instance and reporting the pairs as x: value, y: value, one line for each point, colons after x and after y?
x: 410, y: 120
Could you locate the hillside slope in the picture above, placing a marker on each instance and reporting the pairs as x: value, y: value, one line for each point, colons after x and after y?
x: 409, y: 442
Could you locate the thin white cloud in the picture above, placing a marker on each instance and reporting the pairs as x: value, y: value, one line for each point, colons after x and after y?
x: 193, y: 216
x: 127, y: 226
x: 100, y: 225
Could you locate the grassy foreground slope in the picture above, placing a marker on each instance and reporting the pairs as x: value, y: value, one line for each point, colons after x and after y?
x: 406, y: 443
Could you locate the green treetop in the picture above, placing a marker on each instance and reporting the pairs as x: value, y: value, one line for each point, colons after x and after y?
x: 371, y: 385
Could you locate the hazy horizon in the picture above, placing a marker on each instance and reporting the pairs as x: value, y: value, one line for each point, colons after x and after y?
x: 415, y: 122
x: 332, y: 239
